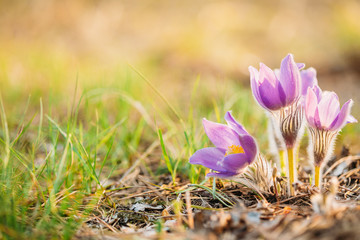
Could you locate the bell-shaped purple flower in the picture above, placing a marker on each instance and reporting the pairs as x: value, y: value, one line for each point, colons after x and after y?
x: 322, y: 110
x: 325, y: 119
x: 308, y: 79
x: 234, y: 148
x: 274, y: 91
x: 279, y: 92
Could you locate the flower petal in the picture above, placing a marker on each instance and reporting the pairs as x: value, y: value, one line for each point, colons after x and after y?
x: 351, y: 119
x: 210, y: 158
x: 237, y: 127
x: 311, y: 103
x: 222, y: 136
x: 273, y: 97
x: 317, y: 119
x: 247, y: 142
x: 290, y: 78
x: 266, y: 74
x: 254, y: 82
x: 235, y: 162
x: 270, y: 90
x: 308, y: 79
x: 300, y: 65
x: 343, y: 116
x: 250, y: 147
x: 277, y: 73
x: 222, y: 174
x: 329, y: 108
x: 317, y: 92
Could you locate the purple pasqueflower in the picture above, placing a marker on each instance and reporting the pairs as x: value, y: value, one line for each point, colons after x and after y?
x: 325, y: 120
x: 279, y: 92
x: 275, y: 90
x: 234, y: 148
x: 308, y: 79
x: 322, y: 110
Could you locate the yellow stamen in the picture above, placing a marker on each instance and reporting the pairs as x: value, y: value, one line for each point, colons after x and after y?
x: 233, y: 149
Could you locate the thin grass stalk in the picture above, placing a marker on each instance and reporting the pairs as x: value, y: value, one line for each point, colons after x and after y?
x: 6, y: 133
x: 282, y: 162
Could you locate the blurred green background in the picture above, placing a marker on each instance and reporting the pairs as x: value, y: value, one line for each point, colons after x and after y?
x: 54, y: 49
x: 50, y: 49
x: 173, y: 41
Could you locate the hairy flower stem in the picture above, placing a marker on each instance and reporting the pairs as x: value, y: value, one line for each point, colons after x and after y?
x: 291, y: 128
x: 292, y: 170
x: 282, y: 162
x: 321, y: 149
x: 318, y: 176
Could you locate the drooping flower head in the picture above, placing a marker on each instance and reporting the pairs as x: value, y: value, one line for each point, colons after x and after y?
x: 234, y: 148
x: 275, y: 90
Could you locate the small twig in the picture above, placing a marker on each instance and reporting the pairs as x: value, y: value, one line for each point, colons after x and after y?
x: 156, y: 191
x: 106, y: 224
x: 294, y: 197
x: 348, y: 174
x: 275, y: 187
x: 348, y: 159
x: 133, y: 195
